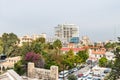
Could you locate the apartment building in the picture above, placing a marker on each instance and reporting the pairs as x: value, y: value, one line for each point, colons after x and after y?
x: 28, y: 38
x: 67, y: 31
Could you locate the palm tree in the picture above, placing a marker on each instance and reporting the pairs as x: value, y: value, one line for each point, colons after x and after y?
x: 57, y: 46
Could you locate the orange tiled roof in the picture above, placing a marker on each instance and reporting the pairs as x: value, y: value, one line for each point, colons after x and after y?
x: 98, y: 52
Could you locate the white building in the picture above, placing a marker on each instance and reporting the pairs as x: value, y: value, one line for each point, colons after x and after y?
x: 25, y: 38
x: 67, y: 31
x: 28, y: 38
x: 86, y: 41
x: 110, y: 55
x: 34, y: 37
x: 98, y: 54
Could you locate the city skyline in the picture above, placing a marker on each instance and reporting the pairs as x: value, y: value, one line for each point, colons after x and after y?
x: 99, y: 20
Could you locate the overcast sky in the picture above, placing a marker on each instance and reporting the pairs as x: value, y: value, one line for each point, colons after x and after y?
x: 98, y: 19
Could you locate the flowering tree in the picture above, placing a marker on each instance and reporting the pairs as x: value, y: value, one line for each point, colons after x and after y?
x: 36, y: 58
x: 32, y: 57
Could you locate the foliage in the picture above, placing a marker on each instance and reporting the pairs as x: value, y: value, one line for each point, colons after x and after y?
x: 36, y: 47
x: 57, y: 44
x: 109, y: 64
x: 115, y: 73
x: 72, y: 77
x: 20, y: 68
x: 110, y: 46
x: 53, y: 59
x: 10, y: 41
x: 83, y: 56
x: 32, y: 57
x: 36, y: 58
x: 69, y: 59
x: 103, y: 61
x: 41, y: 39
x: 1, y: 46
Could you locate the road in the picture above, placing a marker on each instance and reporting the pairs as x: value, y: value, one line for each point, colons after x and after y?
x: 82, y: 70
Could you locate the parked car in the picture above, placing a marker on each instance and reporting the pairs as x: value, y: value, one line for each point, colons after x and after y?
x: 89, y: 77
x: 63, y: 73
x: 80, y: 75
x: 96, y: 78
x: 82, y: 66
x: 89, y: 62
x: 75, y: 69
x: 107, y: 71
x: 70, y: 71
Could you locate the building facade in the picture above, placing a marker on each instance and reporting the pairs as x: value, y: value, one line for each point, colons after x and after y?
x: 8, y: 63
x: 86, y: 41
x: 28, y: 38
x: 67, y: 31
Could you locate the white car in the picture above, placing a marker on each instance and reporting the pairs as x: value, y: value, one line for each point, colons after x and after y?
x: 63, y: 74
x: 89, y: 77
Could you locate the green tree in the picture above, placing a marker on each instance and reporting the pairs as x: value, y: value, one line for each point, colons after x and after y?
x: 36, y: 47
x: 20, y: 68
x: 110, y: 46
x: 83, y: 56
x: 1, y: 46
x: 41, y: 39
x: 70, y: 59
x: 57, y: 45
x: 78, y: 60
x: 115, y: 73
x: 25, y: 48
x: 10, y: 41
x: 103, y: 61
x: 72, y: 77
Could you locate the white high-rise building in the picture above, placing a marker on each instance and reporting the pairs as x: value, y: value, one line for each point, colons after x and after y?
x: 67, y: 31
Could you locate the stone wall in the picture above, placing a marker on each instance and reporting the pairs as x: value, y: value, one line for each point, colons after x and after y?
x: 42, y: 74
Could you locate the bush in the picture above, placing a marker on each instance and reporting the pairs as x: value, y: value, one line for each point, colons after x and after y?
x: 72, y: 77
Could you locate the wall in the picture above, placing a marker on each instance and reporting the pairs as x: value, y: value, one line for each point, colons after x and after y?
x: 42, y: 74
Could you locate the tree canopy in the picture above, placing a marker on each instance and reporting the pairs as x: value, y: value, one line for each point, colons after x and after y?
x: 103, y: 62
x: 83, y: 56
x: 10, y: 41
x: 115, y: 73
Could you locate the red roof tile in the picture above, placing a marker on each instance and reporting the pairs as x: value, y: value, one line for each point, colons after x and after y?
x: 98, y: 52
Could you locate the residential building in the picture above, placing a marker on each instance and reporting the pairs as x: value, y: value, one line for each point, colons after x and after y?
x: 34, y: 37
x: 25, y: 38
x: 9, y: 63
x: 67, y: 31
x: 86, y: 41
x: 52, y: 39
x: 28, y: 38
x: 110, y: 56
x: 96, y: 54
